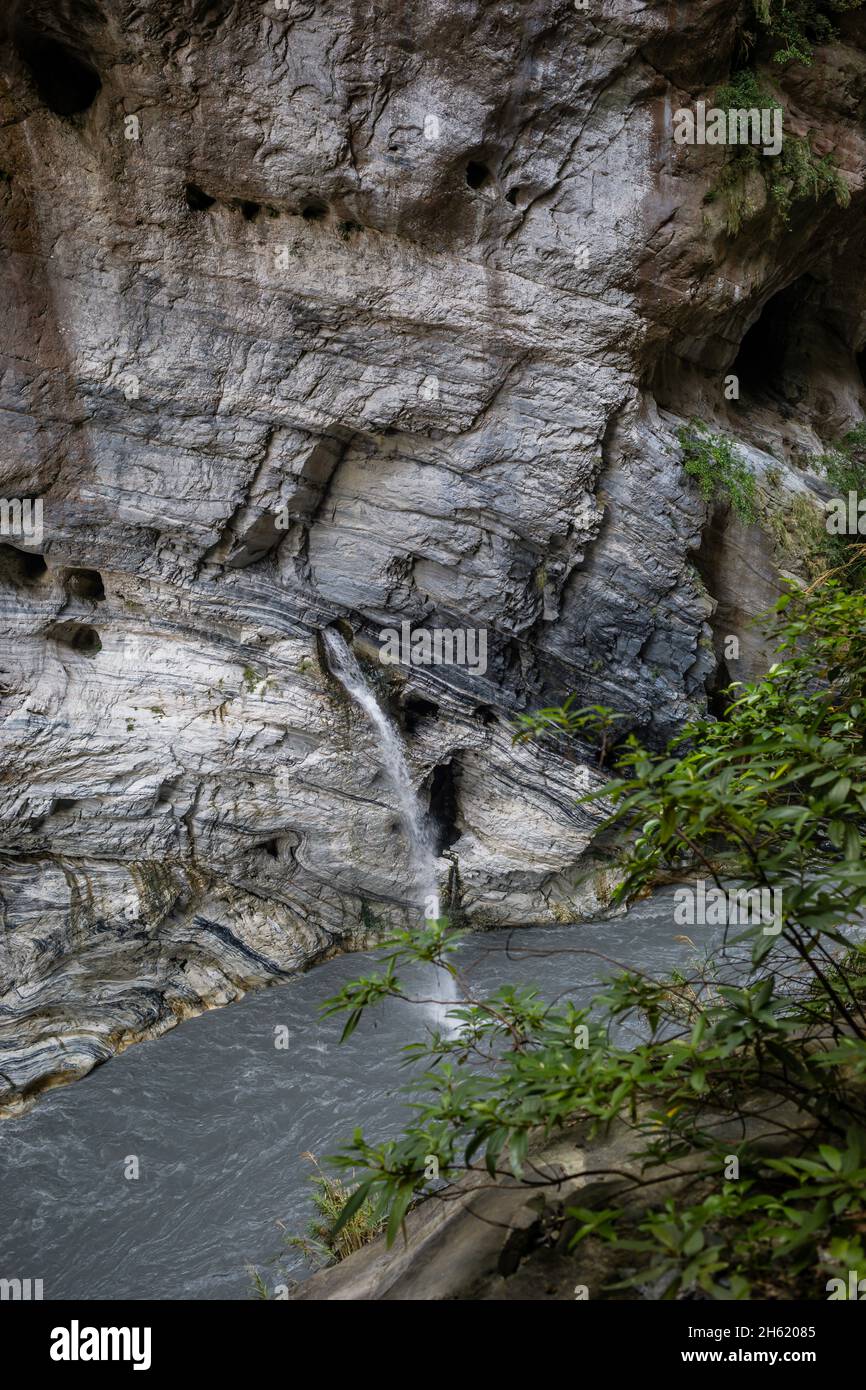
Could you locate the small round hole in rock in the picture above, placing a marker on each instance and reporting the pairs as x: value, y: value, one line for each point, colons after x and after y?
x: 87, y: 584
x: 79, y: 637
x: 477, y: 174
x: 250, y: 211
x: 313, y: 212
x: 196, y: 198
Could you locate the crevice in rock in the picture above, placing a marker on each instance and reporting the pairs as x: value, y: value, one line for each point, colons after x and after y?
x: 314, y: 211
x: 443, y: 805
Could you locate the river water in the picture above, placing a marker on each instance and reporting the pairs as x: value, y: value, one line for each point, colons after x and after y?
x: 219, y: 1119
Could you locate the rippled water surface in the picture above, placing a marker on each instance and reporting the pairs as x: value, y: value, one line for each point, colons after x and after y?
x: 220, y: 1119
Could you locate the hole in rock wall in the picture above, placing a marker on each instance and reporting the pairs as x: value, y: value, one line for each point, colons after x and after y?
x: 718, y: 695
x: 63, y: 803
x: 314, y: 212
x: 415, y: 710
x: 485, y: 714
x: 443, y: 806
x: 477, y: 174
x: 87, y: 584
x: 769, y: 348
x: 250, y: 211
x: 196, y: 198
x: 64, y: 79
x: 79, y: 637
x: 21, y: 566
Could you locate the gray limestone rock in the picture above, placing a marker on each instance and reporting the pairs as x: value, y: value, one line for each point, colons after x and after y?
x: 321, y: 313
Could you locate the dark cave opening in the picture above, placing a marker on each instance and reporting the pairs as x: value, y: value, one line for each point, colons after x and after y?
x: 33, y: 566
x: 443, y: 806
x: 79, y: 637
x: 196, y: 198
x: 485, y: 714
x: 718, y: 695
x: 21, y: 566
x: 87, y: 584
x: 415, y: 710
x: 65, y: 81
x: 250, y: 211
x: 477, y: 173
x: 760, y: 362
x: 314, y: 212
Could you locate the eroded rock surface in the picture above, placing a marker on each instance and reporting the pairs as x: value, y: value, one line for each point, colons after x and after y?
x: 434, y: 285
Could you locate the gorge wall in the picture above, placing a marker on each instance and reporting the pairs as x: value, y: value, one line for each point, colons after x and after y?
x: 432, y: 284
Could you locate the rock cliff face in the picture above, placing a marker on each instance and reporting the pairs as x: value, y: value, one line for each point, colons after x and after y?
x: 369, y: 313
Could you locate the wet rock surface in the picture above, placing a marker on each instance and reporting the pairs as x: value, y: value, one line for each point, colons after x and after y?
x: 377, y: 315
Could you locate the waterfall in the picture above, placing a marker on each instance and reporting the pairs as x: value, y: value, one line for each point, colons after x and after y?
x: 345, y: 667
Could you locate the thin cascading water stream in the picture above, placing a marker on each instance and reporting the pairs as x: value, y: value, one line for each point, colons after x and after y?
x: 344, y: 666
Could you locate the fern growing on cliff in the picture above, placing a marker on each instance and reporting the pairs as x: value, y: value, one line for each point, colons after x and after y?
x: 798, y: 25
x: 798, y: 173
x: 719, y: 470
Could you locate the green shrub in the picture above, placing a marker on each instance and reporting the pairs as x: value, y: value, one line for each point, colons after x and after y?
x: 800, y: 173
x: 796, y: 174
x: 718, y: 468
x: 591, y: 723
x: 775, y: 792
x: 798, y: 25
x: 323, y: 1243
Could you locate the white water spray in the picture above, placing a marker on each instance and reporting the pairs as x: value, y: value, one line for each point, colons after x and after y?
x: 345, y: 667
